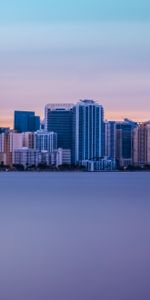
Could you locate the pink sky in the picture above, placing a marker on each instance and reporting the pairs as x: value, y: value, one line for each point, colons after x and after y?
x: 65, y: 62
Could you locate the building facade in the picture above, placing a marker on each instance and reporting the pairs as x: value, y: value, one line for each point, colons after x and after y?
x: 124, y: 143
x: 9, y: 141
x: 26, y: 157
x: 141, y: 145
x: 110, y: 139
x: 59, y: 119
x: 26, y: 121
x: 45, y: 141
x: 88, y: 131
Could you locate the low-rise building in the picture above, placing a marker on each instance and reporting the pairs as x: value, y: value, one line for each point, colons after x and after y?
x: 103, y: 164
x: 26, y: 157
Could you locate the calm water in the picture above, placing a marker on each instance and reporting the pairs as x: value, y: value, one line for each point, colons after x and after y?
x: 74, y: 236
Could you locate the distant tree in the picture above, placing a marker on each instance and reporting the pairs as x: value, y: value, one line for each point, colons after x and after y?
x: 19, y: 167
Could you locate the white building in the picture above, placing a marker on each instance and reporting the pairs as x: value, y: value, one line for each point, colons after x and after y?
x: 88, y: 131
x: 26, y: 157
x: 61, y: 157
x: 45, y: 141
x: 103, y: 164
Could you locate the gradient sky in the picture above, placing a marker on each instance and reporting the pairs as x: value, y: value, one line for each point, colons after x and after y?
x: 62, y: 51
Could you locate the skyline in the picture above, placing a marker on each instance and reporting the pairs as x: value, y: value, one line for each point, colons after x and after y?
x: 107, y: 116
x: 70, y: 51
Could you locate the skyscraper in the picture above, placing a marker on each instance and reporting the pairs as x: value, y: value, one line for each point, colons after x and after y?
x: 141, y: 145
x: 110, y: 139
x: 88, y: 131
x: 124, y: 142
x: 26, y: 121
x: 58, y: 118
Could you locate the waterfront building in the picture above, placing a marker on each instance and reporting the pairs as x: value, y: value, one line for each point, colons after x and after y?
x: 58, y: 118
x: 45, y: 141
x: 9, y: 141
x: 26, y: 121
x: 141, y: 145
x: 103, y: 164
x: 110, y: 139
x: 26, y: 157
x: 31, y: 157
x: 124, y: 142
x: 88, y: 131
x: 60, y: 157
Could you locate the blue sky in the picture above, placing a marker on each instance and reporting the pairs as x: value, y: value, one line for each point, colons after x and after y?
x: 66, y: 50
x: 79, y: 10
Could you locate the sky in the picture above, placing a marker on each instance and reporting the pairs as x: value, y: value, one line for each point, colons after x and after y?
x: 63, y: 51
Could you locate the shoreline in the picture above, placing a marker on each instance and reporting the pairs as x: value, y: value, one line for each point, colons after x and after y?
x: 74, y: 171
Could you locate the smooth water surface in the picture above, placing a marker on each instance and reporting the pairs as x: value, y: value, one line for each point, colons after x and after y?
x: 75, y: 236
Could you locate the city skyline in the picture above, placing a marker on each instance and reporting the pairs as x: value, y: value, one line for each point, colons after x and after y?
x: 6, y: 121
x: 74, y: 135
x: 68, y: 51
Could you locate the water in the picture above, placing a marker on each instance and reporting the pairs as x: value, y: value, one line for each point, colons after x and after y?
x: 74, y: 236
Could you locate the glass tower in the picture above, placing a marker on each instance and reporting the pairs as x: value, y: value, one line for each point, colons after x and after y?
x: 59, y: 118
x: 88, y: 131
x: 26, y: 121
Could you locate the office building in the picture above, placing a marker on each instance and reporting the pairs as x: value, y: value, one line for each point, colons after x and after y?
x: 124, y: 142
x: 58, y: 118
x: 26, y: 121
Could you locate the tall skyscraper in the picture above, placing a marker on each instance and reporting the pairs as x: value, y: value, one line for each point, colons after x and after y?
x: 26, y: 121
x: 88, y: 131
x: 141, y: 145
x: 110, y: 139
x: 124, y: 142
x: 59, y: 118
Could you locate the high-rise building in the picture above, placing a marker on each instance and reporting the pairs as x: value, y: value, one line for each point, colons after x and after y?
x: 141, y: 145
x: 26, y: 121
x: 9, y: 141
x: 124, y: 142
x: 88, y: 131
x: 110, y: 139
x: 34, y: 123
x: 58, y: 118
